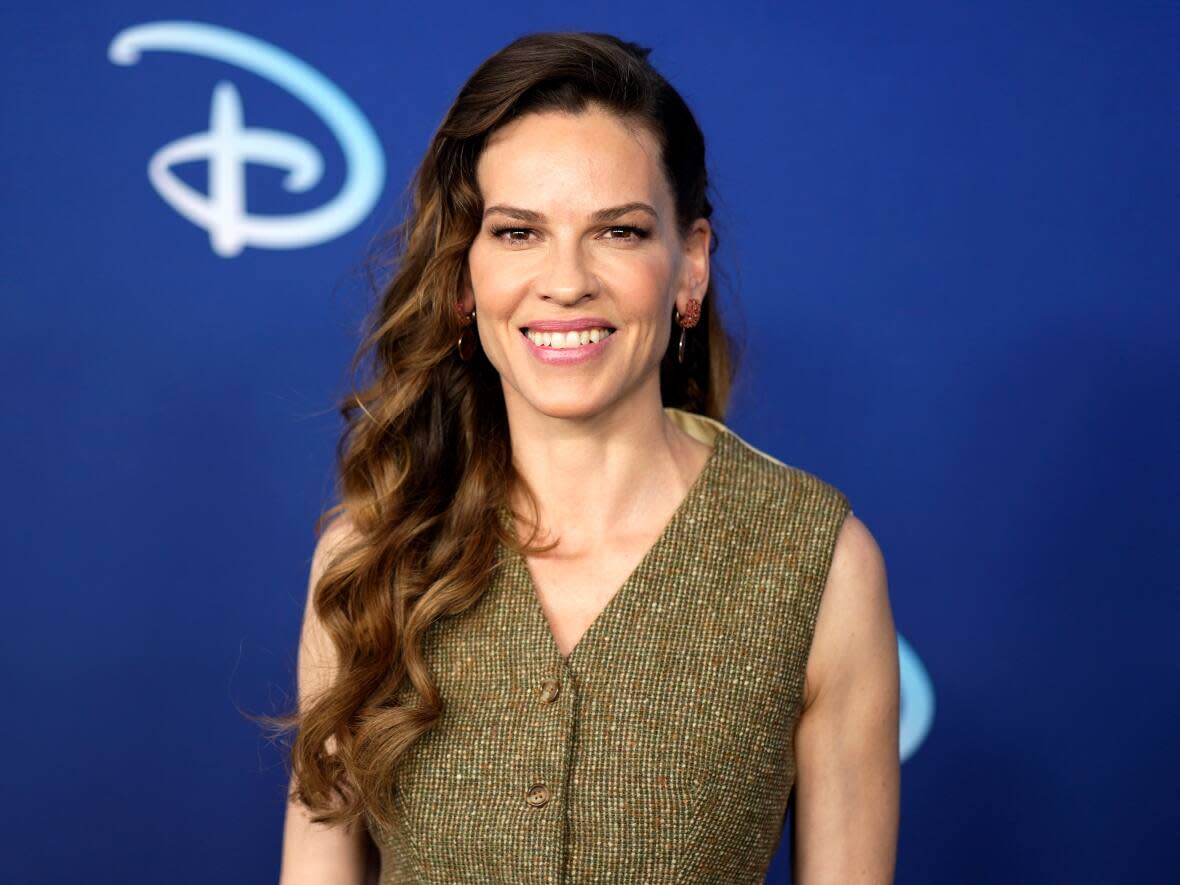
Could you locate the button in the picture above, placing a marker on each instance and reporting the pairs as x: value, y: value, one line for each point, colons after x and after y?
x: 537, y: 795
x: 550, y: 688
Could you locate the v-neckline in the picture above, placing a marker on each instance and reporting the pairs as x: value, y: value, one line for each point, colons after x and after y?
x: 626, y: 590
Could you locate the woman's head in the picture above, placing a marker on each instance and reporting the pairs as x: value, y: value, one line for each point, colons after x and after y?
x: 579, y: 225
x: 562, y: 126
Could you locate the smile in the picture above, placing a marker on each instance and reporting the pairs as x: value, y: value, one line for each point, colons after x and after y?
x: 567, y: 348
x: 563, y: 340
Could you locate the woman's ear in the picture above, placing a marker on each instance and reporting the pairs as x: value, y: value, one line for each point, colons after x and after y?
x: 466, y: 301
x: 695, y: 267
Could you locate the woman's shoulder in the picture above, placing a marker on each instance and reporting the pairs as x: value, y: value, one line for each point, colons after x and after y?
x: 758, y: 467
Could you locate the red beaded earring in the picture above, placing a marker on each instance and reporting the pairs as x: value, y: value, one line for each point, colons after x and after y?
x: 690, y: 317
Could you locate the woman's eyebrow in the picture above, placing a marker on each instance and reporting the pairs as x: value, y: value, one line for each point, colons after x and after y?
x: 600, y: 216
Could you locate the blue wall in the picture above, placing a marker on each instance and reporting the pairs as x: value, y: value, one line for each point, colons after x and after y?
x: 950, y: 234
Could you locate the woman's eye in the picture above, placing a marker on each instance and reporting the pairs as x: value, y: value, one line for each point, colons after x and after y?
x: 499, y: 232
x: 636, y: 233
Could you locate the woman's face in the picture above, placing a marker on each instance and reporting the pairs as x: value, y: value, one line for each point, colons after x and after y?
x: 579, y: 225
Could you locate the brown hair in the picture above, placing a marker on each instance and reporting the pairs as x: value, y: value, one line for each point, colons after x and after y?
x: 424, y: 461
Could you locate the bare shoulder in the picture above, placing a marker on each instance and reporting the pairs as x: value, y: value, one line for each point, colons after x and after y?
x: 339, y: 533
x: 854, y: 628
x: 317, y: 656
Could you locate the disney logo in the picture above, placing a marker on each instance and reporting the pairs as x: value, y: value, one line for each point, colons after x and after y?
x: 228, y: 146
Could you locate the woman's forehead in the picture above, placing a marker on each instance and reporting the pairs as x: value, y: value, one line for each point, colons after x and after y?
x: 569, y: 160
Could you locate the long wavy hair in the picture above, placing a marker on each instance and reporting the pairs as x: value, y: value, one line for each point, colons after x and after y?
x: 424, y: 461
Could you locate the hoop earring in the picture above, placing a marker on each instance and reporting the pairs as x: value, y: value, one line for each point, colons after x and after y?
x: 466, y: 343
x: 690, y: 318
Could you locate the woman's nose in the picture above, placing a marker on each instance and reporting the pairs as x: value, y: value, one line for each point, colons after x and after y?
x: 567, y: 275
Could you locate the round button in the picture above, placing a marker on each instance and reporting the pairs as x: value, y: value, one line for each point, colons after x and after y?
x: 537, y: 795
x: 550, y: 689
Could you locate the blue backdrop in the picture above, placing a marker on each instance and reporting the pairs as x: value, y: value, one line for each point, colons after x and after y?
x: 950, y: 239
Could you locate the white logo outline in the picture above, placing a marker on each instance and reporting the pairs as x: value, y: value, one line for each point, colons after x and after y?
x: 227, y: 146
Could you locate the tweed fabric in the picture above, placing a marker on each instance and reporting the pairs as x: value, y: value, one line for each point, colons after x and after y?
x: 667, y: 755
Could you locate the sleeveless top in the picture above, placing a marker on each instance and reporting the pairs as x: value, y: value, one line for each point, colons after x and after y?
x: 661, y: 750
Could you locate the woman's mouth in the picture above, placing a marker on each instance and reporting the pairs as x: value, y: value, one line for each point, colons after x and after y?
x: 563, y: 340
x: 567, y: 348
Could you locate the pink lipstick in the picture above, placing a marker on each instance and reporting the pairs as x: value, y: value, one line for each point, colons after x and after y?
x: 567, y: 356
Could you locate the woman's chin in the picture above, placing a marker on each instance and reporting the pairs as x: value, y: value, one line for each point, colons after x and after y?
x: 577, y: 405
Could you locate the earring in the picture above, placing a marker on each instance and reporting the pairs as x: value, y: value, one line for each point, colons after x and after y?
x: 466, y: 343
x: 691, y: 316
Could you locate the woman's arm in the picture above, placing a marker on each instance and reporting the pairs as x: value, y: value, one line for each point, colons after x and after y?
x: 316, y: 853
x: 848, y: 773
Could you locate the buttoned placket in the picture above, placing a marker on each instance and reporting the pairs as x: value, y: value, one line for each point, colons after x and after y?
x: 543, y: 793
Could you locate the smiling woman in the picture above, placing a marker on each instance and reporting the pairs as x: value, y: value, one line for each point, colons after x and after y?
x: 564, y: 624
x: 605, y: 235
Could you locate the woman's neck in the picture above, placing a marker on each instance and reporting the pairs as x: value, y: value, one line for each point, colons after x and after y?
x: 600, y: 476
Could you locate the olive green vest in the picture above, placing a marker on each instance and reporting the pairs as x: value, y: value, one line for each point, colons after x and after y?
x: 661, y: 750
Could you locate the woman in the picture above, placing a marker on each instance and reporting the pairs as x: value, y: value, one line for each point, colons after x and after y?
x: 567, y: 626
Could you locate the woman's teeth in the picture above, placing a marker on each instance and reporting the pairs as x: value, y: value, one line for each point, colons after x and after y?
x: 558, y: 340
